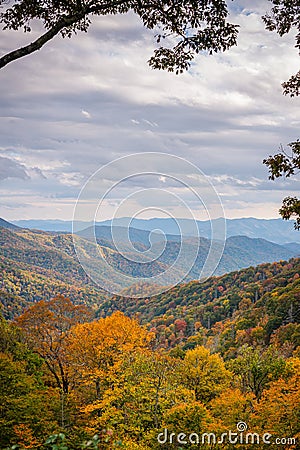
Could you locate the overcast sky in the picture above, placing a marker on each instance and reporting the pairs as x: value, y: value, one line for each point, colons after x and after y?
x: 78, y: 104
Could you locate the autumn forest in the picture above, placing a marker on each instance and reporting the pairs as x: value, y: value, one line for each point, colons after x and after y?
x: 120, y: 372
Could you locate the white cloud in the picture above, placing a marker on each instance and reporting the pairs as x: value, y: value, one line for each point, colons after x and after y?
x: 86, y: 114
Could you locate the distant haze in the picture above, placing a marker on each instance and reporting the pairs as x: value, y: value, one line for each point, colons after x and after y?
x: 274, y: 230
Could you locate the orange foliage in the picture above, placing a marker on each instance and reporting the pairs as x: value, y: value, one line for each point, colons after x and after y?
x: 96, y: 349
x: 279, y: 408
x: 25, y: 437
x: 46, y: 326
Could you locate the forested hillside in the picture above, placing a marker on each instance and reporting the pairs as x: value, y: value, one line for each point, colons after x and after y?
x: 38, y: 265
x: 227, y: 311
x: 98, y: 372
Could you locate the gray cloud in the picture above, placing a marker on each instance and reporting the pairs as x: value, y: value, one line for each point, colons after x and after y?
x: 11, y: 169
x: 78, y: 104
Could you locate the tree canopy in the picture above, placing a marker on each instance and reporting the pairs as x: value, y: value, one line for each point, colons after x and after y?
x: 284, y: 17
x: 185, y: 27
x: 70, y: 382
x: 193, y: 26
x: 286, y: 164
x: 46, y: 326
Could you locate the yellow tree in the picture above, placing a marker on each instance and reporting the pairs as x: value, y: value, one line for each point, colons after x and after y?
x: 204, y: 373
x: 97, y: 349
x: 146, y: 387
x: 231, y: 407
x: 278, y: 411
x: 185, y: 424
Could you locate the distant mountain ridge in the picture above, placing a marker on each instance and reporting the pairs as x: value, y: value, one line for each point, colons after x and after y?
x: 239, y: 252
x: 274, y: 230
x: 37, y: 264
x: 8, y: 225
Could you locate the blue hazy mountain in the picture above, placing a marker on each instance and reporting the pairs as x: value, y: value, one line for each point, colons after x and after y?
x: 274, y: 230
x: 8, y: 225
x: 37, y: 264
x: 294, y: 247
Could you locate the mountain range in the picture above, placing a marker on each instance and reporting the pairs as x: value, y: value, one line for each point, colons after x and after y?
x: 38, y: 265
x: 274, y: 230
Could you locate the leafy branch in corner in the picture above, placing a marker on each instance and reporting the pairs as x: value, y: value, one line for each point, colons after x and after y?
x: 285, y: 165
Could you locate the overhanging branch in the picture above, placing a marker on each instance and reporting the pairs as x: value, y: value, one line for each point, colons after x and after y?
x: 42, y: 40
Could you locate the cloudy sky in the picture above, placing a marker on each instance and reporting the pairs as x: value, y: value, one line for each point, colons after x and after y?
x: 76, y: 105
